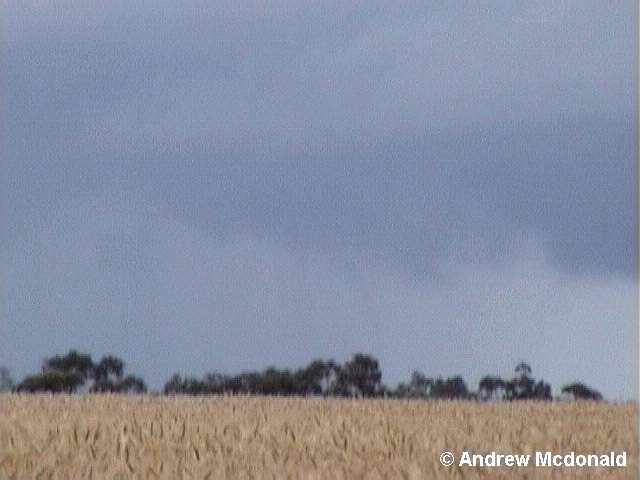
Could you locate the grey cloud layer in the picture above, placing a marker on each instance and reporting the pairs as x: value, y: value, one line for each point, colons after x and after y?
x: 426, y: 138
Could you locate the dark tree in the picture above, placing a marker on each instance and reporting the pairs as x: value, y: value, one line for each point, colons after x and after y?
x: 247, y: 383
x: 542, y: 391
x: 79, y: 364
x: 130, y: 384
x: 109, y: 366
x: 316, y: 378
x: 580, y: 391
x: 521, y: 386
x: 523, y: 369
x: 67, y: 373
x: 276, y: 382
x: 60, y: 373
x: 361, y: 376
x: 51, y: 381
x: 524, y: 387
x: 173, y: 385
x: 453, y: 388
x: 107, y: 374
x: 216, y: 383
x: 490, y: 387
x: 419, y: 387
x: 186, y: 386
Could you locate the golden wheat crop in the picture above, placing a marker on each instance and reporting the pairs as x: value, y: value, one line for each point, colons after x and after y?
x: 84, y: 437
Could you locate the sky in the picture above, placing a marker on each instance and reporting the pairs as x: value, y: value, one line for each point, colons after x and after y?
x: 450, y: 186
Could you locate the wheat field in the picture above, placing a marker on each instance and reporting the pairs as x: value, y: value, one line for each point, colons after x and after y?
x: 147, y: 437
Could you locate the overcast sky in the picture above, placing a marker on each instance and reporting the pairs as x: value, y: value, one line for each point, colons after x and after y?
x: 229, y: 185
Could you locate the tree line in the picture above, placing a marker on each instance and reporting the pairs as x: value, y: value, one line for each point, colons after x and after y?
x: 73, y: 371
x: 358, y: 377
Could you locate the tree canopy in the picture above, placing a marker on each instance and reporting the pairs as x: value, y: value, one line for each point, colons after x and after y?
x: 359, y: 377
x: 68, y: 373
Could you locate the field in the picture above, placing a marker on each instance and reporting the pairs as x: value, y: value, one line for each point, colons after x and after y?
x: 148, y: 437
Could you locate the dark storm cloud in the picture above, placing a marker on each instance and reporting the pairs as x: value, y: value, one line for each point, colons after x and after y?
x: 415, y: 200
x: 288, y: 118
x: 403, y: 142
